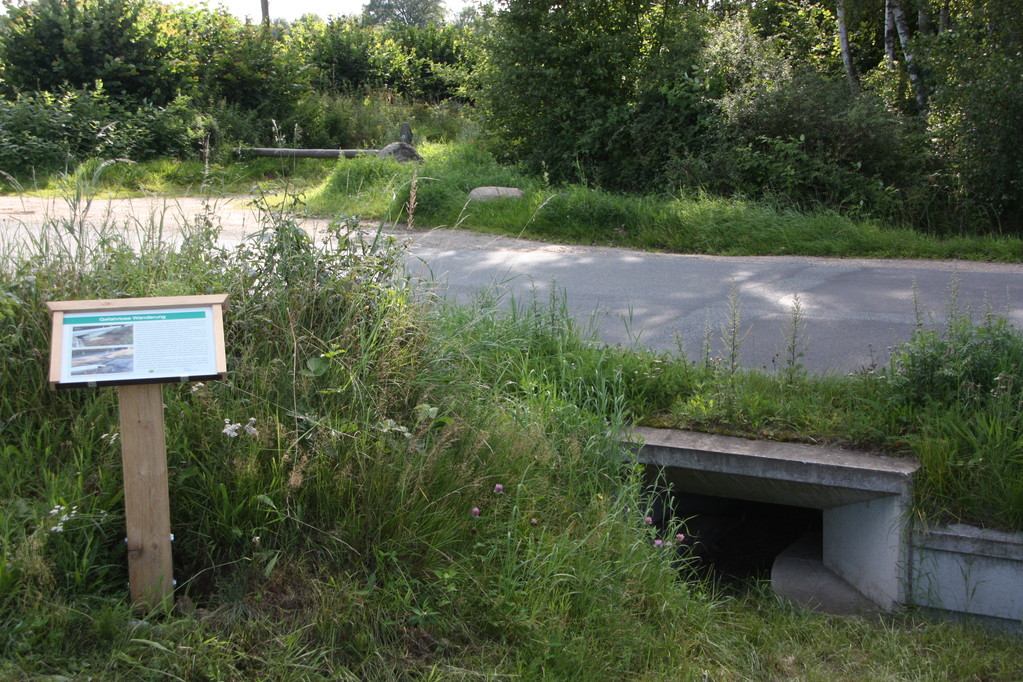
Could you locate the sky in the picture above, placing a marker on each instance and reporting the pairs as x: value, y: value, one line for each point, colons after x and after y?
x: 293, y: 9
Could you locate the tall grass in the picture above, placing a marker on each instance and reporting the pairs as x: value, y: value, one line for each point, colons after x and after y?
x: 326, y: 488
x: 686, y: 222
x: 381, y: 489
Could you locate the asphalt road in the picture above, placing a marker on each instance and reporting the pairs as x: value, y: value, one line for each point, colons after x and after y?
x: 853, y: 311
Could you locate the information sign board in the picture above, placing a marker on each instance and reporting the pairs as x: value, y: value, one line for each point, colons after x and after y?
x: 129, y: 342
x: 137, y: 341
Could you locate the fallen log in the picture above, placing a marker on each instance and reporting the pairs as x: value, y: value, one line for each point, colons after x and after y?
x: 285, y: 153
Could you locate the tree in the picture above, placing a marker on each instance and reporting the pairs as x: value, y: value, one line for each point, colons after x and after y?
x: 48, y: 44
x: 559, y: 80
x: 419, y: 13
x: 843, y: 42
x: 976, y: 110
x: 912, y: 66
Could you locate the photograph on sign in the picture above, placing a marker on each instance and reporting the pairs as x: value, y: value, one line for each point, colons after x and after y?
x: 138, y: 345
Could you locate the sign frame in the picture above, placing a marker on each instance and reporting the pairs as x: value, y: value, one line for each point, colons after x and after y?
x: 59, y: 354
x: 143, y: 432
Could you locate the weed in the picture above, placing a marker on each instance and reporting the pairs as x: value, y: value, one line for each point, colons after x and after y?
x: 334, y: 536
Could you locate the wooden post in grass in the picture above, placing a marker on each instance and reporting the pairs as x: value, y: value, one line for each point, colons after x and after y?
x: 139, y: 344
x: 146, y: 494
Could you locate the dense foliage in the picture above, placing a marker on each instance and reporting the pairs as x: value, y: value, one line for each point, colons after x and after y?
x: 903, y: 110
x: 130, y: 61
x: 753, y: 99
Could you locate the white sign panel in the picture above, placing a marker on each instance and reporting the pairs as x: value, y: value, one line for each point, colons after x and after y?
x: 138, y: 345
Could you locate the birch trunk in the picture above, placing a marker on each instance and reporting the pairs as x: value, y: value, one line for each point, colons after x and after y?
x: 843, y: 42
x: 902, y: 28
x: 889, y: 34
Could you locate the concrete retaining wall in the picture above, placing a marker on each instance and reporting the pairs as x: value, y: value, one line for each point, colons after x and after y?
x: 963, y: 569
x: 867, y: 542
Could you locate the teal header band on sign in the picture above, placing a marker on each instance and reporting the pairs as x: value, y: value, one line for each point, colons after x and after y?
x: 145, y: 317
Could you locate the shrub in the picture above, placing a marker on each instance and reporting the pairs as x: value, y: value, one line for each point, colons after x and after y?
x: 340, y: 52
x: 975, y: 118
x: 434, y: 52
x: 557, y: 81
x: 43, y: 132
x: 964, y: 363
x: 31, y: 134
x: 812, y: 141
x: 52, y: 44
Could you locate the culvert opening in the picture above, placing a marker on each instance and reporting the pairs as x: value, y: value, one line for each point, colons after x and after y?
x: 733, y: 540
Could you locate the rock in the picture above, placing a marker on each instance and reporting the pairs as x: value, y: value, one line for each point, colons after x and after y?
x: 491, y: 193
x: 401, y: 152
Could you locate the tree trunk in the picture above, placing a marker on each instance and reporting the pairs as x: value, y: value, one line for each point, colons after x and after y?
x: 923, y: 20
x: 889, y: 34
x: 843, y: 41
x: 902, y: 27
x: 286, y: 153
x: 264, y: 5
x: 943, y: 20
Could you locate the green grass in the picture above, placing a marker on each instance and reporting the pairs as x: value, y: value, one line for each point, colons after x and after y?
x: 172, y: 178
x: 949, y: 398
x: 686, y: 223
x: 338, y: 541
x: 382, y: 190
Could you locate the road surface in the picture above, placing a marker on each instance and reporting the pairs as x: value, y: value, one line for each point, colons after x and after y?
x: 854, y: 311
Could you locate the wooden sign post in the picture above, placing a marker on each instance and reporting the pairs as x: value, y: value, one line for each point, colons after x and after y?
x: 138, y: 345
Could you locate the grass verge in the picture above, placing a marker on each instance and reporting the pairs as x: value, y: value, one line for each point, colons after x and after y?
x: 688, y: 223
x: 424, y: 493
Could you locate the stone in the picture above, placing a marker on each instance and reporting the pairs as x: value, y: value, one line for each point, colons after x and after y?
x: 406, y: 133
x: 490, y: 193
x: 401, y: 152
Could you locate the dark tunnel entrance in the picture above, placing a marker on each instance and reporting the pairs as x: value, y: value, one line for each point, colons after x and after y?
x: 827, y: 527
x: 733, y: 541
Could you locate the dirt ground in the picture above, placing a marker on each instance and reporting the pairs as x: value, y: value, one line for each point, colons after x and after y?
x: 22, y: 218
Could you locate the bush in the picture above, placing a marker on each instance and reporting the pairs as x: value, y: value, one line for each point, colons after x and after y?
x: 52, y: 44
x: 434, y: 55
x: 31, y: 135
x: 340, y: 52
x: 44, y: 132
x: 975, y: 118
x: 965, y: 363
x: 812, y: 141
x: 558, y: 80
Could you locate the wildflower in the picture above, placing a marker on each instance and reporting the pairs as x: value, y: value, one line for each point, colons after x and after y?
x: 680, y: 537
x: 498, y: 488
x: 250, y: 428
x: 197, y: 386
x: 230, y: 430
x: 533, y: 521
x: 648, y: 521
x: 475, y: 512
x: 658, y: 543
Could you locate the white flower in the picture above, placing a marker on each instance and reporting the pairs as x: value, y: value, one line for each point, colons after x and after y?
x: 230, y: 430
x: 250, y: 428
